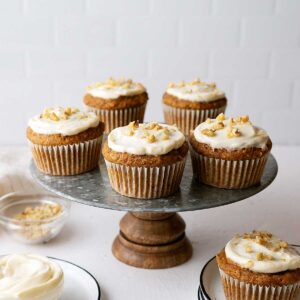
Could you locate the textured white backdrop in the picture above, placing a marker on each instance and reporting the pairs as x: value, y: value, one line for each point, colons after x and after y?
x: 51, y: 49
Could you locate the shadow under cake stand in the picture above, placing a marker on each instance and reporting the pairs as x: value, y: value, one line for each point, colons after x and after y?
x: 152, y: 234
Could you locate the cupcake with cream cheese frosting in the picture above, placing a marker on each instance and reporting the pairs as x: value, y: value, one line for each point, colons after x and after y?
x: 116, y: 102
x: 189, y: 104
x: 65, y: 141
x: 30, y: 277
x: 259, y: 265
x: 145, y: 160
x: 229, y: 152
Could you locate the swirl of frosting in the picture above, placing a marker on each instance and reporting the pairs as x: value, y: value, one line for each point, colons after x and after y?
x: 196, y: 90
x: 29, y: 277
x: 113, y: 89
x: 230, y: 133
x: 145, y: 139
x: 262, y: 252
x: 57, y: 120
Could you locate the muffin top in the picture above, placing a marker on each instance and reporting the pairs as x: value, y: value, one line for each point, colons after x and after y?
x: 231, y: 133
x: 197, y: 91
x: 262, y: 252
x: 29, y: 276
x: 115, y: 88
x: 145, y: 139
x: 65, y: 121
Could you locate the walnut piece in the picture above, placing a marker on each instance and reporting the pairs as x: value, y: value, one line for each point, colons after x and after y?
x: 208, y: 132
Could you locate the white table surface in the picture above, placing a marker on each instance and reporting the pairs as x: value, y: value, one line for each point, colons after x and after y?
x: 86, y: 240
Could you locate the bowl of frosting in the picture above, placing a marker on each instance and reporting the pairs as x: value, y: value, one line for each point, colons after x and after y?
x: 33, y: 218
x: 30, y: 277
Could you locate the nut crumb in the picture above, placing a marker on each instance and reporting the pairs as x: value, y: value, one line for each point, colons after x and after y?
x: 208, y: 132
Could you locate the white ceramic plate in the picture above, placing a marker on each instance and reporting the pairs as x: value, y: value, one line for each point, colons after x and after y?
x: 210, y: 281
x: 79, y: 283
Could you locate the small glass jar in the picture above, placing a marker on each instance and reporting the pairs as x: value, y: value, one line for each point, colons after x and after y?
x: 32, y: 231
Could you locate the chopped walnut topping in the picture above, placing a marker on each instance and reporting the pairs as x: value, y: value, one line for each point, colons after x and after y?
x: 39, y: 213
x: 261, y: 256
x: 53, y: 116
x: 208, y: 132
x: 208, y: 121
x: 165, y: 137
x: 151, y: 138
x: 283, y: 245
x: 68, y: 111
x: 213, y: 85
x: 181, y: 83
x: 218, y: 126
x: 196, y: 81
x: 233, y: 132
x: 153, y: 126
x: 171, y: 85
x: 248, y: 249
x: 250, y: 264
x: 166, y: 131
x: 130, y: 132
x: 134, y: 125
x: 231, y: 122
x: 112, y: 83
x: 220, y: 117
x: 242, y: 120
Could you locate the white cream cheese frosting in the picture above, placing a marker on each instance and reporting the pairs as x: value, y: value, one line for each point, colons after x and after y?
x: 30, y: 277
x: 58, y: 120
x: 197, y: 91
x: 231, y: 133
x: 145, y: 139
x: 262, y: 252
x: 113, y: 89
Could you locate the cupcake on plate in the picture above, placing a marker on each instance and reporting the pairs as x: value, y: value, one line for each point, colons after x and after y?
x: 65, y: 141
x: 145, y: 160
x: 189, y: 104
x: 258, y: 265
x: 116, y: 102
x: 229, y: 152
x: 30, y: 277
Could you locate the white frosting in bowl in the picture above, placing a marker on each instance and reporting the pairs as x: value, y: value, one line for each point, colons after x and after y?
x: 113, y: 89
x: 262, y: 252
x: 62, y: 121
x: 29, y: 277
x: 232, y: 134
x: 197, y: 91
x: 145, y: 139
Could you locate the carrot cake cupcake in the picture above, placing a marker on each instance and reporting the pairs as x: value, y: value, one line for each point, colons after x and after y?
x: 189, y: 104
x: 229, y: 153
x: 65, y: 141
x: 259, y: 265
x: 145, y: 160
x: 116, y: 102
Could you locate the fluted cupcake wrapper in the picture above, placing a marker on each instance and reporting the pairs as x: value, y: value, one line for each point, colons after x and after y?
x: 113, y: 118
x: 189, y: 119
x: 67, y: 159
x: 235, y: 289
x: 145, y: 182
x: 228, y: 174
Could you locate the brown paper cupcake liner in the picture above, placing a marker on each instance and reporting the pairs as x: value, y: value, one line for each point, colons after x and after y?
x: 113, y: 118
x: 228, y: 174
x: 235, y: 289
x: 145, y: 182
x: 189, y: 119
x: 67, y: 159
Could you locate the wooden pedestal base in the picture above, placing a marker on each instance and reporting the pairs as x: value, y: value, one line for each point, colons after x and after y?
x: 152, y: 241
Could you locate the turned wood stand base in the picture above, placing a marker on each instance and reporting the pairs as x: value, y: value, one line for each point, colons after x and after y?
x: 152, y: 240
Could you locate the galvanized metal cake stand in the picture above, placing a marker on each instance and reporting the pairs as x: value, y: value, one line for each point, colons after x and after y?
x: 152, y: 234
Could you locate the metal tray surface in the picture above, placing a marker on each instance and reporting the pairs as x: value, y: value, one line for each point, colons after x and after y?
x: 93, y: 188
